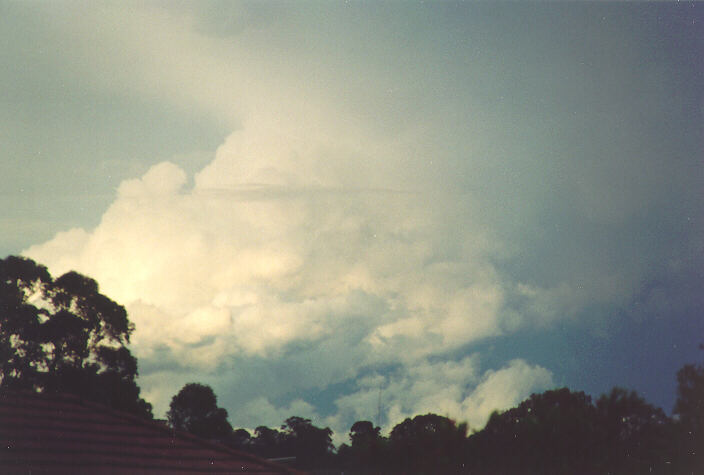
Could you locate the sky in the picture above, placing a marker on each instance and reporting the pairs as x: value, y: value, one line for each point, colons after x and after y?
x: 368, y: 210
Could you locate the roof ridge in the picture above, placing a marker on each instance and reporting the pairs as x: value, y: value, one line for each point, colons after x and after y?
x: 26, y: 397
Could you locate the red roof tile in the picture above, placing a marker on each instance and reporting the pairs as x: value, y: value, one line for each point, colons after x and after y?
x: 62, y: 434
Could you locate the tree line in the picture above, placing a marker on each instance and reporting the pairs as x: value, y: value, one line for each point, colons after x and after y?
x: 555, y: 432
x: 63, y: 335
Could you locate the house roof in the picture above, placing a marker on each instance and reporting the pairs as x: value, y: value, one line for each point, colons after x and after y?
x: 62, y: 434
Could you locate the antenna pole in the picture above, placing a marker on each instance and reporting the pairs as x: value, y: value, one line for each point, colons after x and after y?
x: 378, y: 411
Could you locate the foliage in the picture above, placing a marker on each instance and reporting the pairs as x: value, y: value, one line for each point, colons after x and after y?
x: 363, y: 434
x: 240, y: 439
x: 689, y: 409
x: 194, y: 409
x: 560, y: 431
x: 64, y: 335
x: 367, y: 450
x: 311, y: 445
x: 268, y: 442
x: 634, y: 435
x: 552, y: 432
x: 428, y: 444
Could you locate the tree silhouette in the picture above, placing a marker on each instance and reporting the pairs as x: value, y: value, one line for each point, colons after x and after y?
x: 635, y: 436
x: 240, y: 439
x: 64, y: 335
x: 368, y: 447
x: 550, y: 433
x: 268, y: 442
x: 689, y: 409
x: 363, y: 433
x: 367, y: 452
x: 312, y: 446
x: 195, y: 410
x: 428, y: 444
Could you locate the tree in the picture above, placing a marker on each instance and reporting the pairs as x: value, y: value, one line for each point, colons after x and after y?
x: 363, y: 433
x: 194, y: 409
x: 64, y: 335
x: 635, y: 436
x: 689, y: 409
x: 312, y: 446
x: 368, y: 448
x: 428, y: 444
x: 267, y: 442
x: 240, y: 439
x: 549, y: 433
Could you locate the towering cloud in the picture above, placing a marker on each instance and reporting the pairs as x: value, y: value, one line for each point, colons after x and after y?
x: 273, y: 253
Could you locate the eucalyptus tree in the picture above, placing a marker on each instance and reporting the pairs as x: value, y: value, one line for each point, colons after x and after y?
x: 63, y: 335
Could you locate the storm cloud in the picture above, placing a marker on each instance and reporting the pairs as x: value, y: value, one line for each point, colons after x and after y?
x: 399, y: 186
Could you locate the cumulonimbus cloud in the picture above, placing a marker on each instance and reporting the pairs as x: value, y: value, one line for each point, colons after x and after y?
x: 264, y: 252
x: 269, y: 250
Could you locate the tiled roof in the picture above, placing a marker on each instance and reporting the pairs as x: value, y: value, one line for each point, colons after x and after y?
x: 62, y: 434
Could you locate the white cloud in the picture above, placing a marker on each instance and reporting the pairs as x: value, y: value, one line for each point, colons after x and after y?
x: 454, y: 389
x: 281, y: 251
x: 268, y: 246
x: 503, y: 389
x: 162, y: 179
